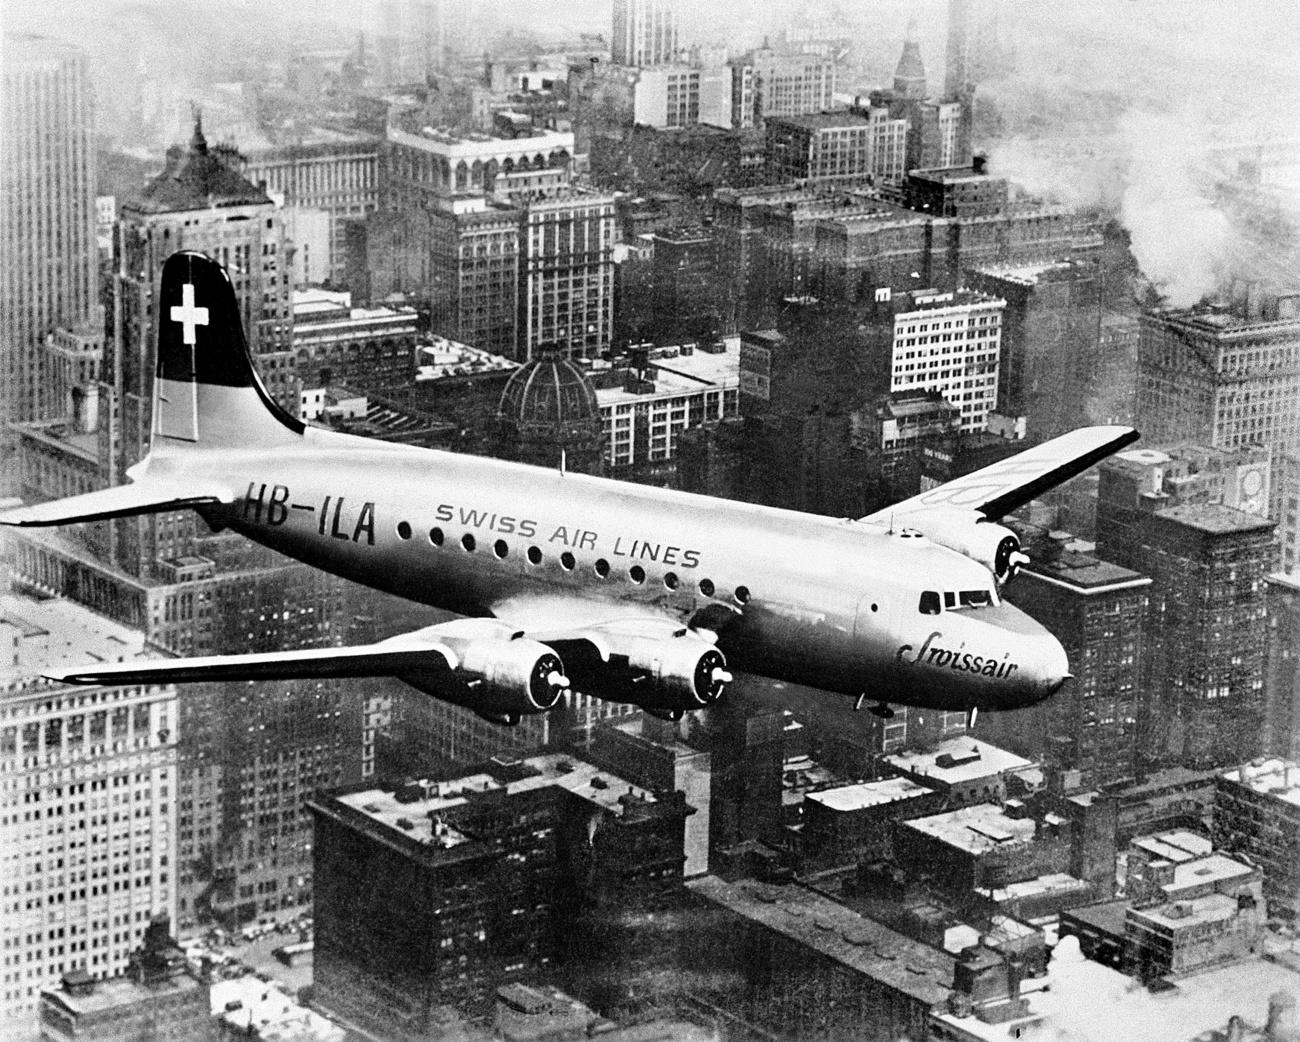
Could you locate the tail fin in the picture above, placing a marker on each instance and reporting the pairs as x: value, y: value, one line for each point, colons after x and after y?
x: 207, y: 395
x: 207, y: 391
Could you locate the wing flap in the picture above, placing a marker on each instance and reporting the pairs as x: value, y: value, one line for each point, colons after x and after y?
x: 369, y: 660
x: 141, y: 497
x: 1000, y: 488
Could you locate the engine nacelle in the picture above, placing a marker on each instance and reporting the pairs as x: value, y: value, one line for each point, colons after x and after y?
x: 678, y: 674
x: 992, y: 545
x: 666, y: 674
x: 499, y: 677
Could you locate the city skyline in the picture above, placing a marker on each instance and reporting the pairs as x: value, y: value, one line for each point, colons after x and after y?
x: 820, y: 257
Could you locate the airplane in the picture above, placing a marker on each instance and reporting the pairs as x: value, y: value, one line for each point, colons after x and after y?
x: 642, y: 595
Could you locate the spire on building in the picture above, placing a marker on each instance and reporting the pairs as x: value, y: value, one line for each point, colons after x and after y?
x: 909, y: 77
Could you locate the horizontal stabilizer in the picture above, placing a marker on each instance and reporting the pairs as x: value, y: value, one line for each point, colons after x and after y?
x: 142, y: 497
x: 369, y: 660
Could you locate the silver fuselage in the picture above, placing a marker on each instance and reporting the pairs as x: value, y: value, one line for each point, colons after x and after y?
x: 829, y: 603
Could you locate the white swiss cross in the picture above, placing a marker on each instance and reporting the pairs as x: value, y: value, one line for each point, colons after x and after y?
x: 187, y: 314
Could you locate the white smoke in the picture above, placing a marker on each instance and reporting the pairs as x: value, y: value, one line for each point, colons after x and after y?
x: 1149, y: 171
x: 1183, y: 243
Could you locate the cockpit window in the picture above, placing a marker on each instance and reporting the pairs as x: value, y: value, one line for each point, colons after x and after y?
x: 929, y: 603
x: 976, y: 598
x: 949, y: 600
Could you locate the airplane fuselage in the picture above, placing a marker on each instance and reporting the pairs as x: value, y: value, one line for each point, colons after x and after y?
x: 828, y: 603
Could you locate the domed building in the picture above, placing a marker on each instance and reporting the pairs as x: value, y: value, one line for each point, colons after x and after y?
x: 547, y: 409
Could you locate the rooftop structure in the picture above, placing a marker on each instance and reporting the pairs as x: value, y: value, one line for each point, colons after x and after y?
x: 977, y: 829
x: 970, y: 769
x: 867, y: 794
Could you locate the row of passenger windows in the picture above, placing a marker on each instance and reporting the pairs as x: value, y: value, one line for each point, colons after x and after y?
x: 637, y: 574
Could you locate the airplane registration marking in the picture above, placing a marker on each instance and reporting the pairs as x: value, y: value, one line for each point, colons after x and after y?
x: 959, y: 661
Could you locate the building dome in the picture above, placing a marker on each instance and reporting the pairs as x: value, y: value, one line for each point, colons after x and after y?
x: 549, y: 406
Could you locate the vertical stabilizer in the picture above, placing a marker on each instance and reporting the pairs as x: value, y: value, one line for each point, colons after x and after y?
x: 207, y: 391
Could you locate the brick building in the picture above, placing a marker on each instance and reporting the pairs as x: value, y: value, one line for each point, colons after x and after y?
x: 1097, y: 610
x: 438, y: 892
x: 1257, y: 812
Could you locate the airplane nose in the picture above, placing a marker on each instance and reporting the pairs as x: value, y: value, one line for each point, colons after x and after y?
x: 1053, y: 667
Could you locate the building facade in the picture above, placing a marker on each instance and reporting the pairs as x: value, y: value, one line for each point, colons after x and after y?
x: 48, y: 251
x: 644, y: 32
x: 566, y: 274
x: 1256, y: 813
x: 339, y: 175
x: 88, y: 810
x: 945, y: 342
x: 1098, y: 611
x: 439, y: 892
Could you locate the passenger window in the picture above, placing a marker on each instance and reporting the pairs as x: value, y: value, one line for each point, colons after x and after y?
x: 636, y: 573
x: 670, y: 580
x: 930, y: 603
x: 534, y: 555
x: 500, y: 549
x: 602, y: 568
x: 705, y: 587
x: 467, y: 541
x: 566, y: 561
x: 435, y: 536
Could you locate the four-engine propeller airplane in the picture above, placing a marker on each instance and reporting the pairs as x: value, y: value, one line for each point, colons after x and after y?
x: 637, y: 594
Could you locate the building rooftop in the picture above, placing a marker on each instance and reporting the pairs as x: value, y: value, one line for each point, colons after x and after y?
x: 198, y: 178
x: 680, y: 374
x: 829, y: 928
x: 1032, y: 274
x: 1175, y: 846
x: 63, y: 435
x: 1210, y: 870
x: 420, y: 818
x: 976, y: 829
x: 55, y: 633
x: 867, y: 794
x: 124, y: 991
x: 823, y: 120
x: 1215, y: 519
x: 1039, y: 886
x: 1271, y: 777
x: 958, y: 759
x: 258, y: 1009
x: 438, y: 358
x: 1085, y: 574
x: 1187, y: 915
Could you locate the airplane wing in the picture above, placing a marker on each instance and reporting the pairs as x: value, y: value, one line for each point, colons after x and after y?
x: 151, y: 496
x: 996, y: 490
x: 368, y: 660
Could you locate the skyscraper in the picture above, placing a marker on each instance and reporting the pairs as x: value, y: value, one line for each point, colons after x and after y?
x: 645, y: 32
x: 47, y: 210
x: 87, y: 810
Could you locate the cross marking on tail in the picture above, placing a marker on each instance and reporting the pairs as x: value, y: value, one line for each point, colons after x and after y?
x: 188, y: 315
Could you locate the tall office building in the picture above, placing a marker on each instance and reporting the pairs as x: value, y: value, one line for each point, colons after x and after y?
x: 1221, y: 377
x: 87, y: 809
x: 1228, y: 377
x: 199, y: 202
x: 1206, y: 639
x: 566, y: 273
x: 1097, y: 610
x: 644, y: 32
x: 47, y: 211
x: 1050, y: 344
